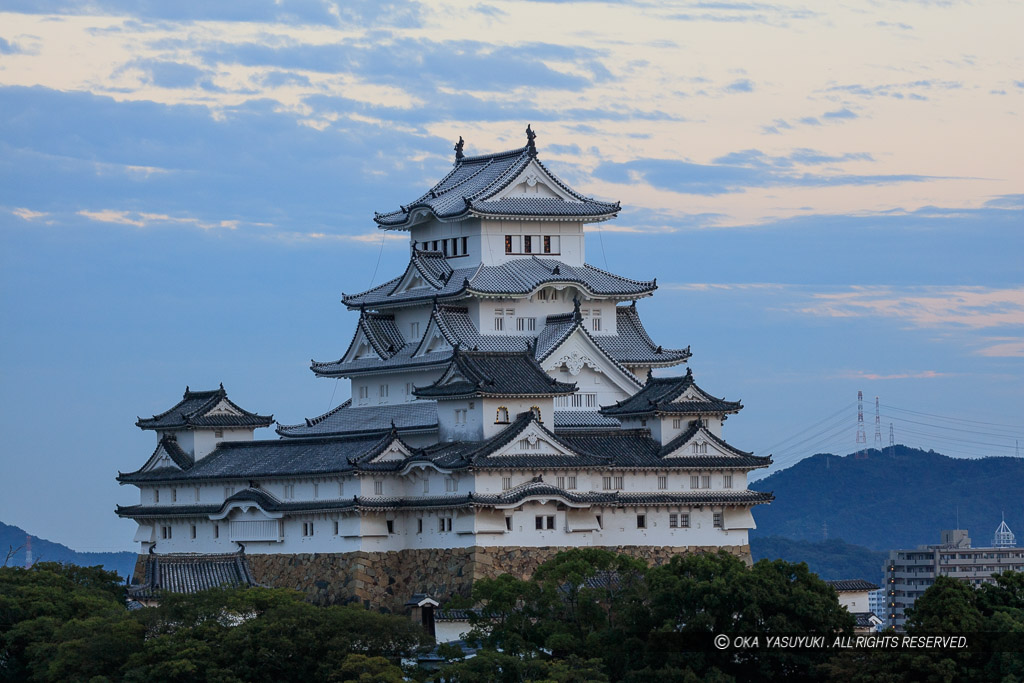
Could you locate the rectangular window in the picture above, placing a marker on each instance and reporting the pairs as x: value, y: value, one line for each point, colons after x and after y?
x: 197, y: 494
x: 364, y: 392
x: 545, y: 522
x: 316, y: 490
x: 426, y: 486
x: 600, y: 522
x: 508, y: 523
x: 596, y: 324
x: 662, y: 482
x: 684, y: 520
x: 218, y: 433
x: 289, y: 491
x: 527, y: 243
x: 673, y: 520
x: 444, y: 524
x: 677, y: 423
x: 705, y: 481
x: 560, y: 482
x: 506, y: 483
x: 547, y: 244
x: 216, y: 530
x: 165, y: 532
x: 553, y: 241
x: 383, y: 390
x: 526, y: 324
x: 727, y: 481
x: 451, y: 485
x: 336, y: 525
x: 717, y: 520
x: 192, y: 530
x: 174, y: 495
x: 618, y: 482
x: 414, y: 330
x: 391, y: 526
x: 641, y: 521
x: 465, y: 246
x: 378, y: 487
x: 444, y: 247
x: 499, y: 324
x: 508, y: 244
x: 542, y: 295
x: 419, y: 525
x: 307, y: 528
x: 341, y: 489
x: 606, y: 483
x: 156, y: 495
x: 694, y: 481
x: 434, y: 247
x: 572, y: 482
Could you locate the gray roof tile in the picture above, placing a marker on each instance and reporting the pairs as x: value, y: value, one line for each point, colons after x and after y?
x: 471, y: 186
x: 494, y: 373
x: 191, y: 411
x: 191, y: 574
x: 660, y: 395
x: 346, y: 419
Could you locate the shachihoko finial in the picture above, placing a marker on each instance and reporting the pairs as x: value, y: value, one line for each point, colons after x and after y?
x: 458, y: 149
x: 530, y: 137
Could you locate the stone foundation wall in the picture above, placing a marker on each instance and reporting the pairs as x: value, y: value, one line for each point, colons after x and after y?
x: 385, y: 580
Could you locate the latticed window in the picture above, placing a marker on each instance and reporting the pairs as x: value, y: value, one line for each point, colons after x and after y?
x: 662, y: 482
x: 572, y: 482
x: 717, y: 520
x: 506, y: 483
x: 617, y: 481
x: 606, y: 483
x: 378, y: 487
x: 684, y: 520
x: 727, y: 481
x: 694, y: 481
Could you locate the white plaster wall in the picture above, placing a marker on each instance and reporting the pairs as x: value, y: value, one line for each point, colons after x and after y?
x: 400, y: 385
x: 472, y: 430
x: 570, y: 237
x: 515, y: 407
x: 404, y: 317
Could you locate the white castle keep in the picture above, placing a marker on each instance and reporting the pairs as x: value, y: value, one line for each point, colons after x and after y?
x: 503, y: 397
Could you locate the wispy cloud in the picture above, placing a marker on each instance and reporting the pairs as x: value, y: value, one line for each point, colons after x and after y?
x: 967, y: 307
x: 141, y: 219
x: 1002, y: 347
x: 28, y: 214
x: 863, y: 374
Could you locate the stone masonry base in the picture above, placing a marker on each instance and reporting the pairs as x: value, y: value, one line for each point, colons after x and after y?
x: 385, y: 580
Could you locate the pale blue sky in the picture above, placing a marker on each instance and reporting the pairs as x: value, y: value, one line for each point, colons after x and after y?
x: 831, y: 200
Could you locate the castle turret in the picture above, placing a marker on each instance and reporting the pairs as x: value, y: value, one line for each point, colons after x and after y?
x: 202, y: 419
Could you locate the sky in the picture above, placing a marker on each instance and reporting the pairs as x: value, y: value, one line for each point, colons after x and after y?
x: 830, y: 195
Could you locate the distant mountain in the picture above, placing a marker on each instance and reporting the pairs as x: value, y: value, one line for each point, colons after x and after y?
x: 896, y: 498
x: 48, y: 551
x: 833, y: 559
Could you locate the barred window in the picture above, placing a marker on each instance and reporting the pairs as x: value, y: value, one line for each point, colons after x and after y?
x: 673, y: 520
x: 727, y: 481
x: 717, y: 520
x: 662, y: 482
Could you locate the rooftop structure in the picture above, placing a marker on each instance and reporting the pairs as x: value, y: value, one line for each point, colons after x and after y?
x: 502, y: 398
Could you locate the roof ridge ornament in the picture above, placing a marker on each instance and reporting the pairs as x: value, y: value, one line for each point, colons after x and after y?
x: 531, y: 145
x: 459, y: 156
x: 577, y: 316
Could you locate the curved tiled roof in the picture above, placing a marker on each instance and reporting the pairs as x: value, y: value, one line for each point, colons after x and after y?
x: 631, y: 345
x: 346, y: 419
x: 843, y: 585
x: 494, y: 373
x: 191, y: 574
x: 583, y: 419
x: 192, y: 411
x: 472, y: 186
x: 660, y: 395
x: 518, y: 277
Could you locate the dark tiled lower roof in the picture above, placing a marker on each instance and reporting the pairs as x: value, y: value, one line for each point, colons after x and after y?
x: 282, y: 457
x: 583, y: 419
x: 192, y: 411
x: 662, y: 395
x: 191, y: 574
x: 844, y: 585
x: 492, y: 373
x: 346, y: 419
x: 866, y: 619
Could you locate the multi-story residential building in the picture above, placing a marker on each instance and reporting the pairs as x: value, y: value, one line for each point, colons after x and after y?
x: 502, y: 408
x: 909, y: 573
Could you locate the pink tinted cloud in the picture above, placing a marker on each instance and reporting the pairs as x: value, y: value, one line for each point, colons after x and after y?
x: 970, y: 307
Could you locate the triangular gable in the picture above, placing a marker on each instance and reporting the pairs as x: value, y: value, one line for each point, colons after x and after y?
x: 168, y: 455
x: 361, y: 347
x: 579, y: 350
x: 396, y: 451
x: 699, y: 442
x: 418, y: 275
x: 223, y: 407
x: 533, y: 181
x: 534, y: 440
x: 434, y: 339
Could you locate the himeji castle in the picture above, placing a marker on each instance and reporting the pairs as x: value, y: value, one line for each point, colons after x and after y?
x: 506, y: 403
